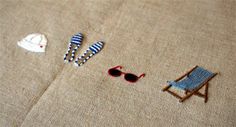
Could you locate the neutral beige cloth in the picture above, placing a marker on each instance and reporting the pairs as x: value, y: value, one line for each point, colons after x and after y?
x: 163, y: 38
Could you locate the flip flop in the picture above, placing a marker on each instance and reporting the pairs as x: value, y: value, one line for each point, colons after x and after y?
x: 92, y: 50
x: 75, y: 42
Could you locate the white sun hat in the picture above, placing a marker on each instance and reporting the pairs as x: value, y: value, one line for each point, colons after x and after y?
x: 34, y: 42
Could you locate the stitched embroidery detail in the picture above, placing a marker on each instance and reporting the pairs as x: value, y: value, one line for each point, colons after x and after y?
x: 75, y: 42
x: 92, y: 50
x: 34, y: 42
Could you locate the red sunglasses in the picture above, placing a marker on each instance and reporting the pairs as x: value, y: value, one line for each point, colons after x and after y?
x: 128, y: 76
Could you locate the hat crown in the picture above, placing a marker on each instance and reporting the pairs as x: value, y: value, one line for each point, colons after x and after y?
x: 34, y: 42
x: 36, y: 38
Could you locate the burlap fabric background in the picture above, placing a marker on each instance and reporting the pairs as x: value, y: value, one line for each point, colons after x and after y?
x: 162, y: 38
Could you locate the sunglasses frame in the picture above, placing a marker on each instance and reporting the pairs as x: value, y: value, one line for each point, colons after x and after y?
x: 124, y: 73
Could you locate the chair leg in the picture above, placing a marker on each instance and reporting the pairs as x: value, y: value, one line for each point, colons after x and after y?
x: 166, y: 88
x: 206, y: 93
x: 199, y: 94
x: 187, y: 96
x: 195, y: 92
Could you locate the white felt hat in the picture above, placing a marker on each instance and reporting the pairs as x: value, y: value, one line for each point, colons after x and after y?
x: 34, y: 42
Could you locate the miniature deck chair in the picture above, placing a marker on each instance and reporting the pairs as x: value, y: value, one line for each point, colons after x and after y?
x: 191, y: 82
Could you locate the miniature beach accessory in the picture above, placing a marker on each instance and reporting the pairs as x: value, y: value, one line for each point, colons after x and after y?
x: 34, y: 42
x: 115, y: 72
x: 191, y: 82
x: 75, y: 42
x: 92, y: 50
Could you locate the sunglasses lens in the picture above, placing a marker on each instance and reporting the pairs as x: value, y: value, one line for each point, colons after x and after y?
x: 131, y: 77
x: 114, y: 72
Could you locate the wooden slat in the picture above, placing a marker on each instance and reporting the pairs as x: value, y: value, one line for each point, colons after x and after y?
x: 166, y: 88
x: 174, y: 94
x: 199, y: 94
x: 206, y: 93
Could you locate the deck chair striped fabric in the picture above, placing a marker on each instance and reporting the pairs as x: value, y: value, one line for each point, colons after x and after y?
x: 191, y: 83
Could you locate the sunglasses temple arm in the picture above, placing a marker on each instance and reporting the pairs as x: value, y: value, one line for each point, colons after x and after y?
x: 142, y: 75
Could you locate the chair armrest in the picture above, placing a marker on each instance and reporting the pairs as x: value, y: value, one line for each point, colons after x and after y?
x: 187, y: 73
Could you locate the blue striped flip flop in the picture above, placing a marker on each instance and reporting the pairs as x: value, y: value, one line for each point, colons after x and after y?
x: 92, y: 50
x: 75, y: 42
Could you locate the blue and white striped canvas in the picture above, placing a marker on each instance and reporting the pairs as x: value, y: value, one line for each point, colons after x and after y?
x: 77, y: 39
x: 193, y: 80
x: 96, y: 47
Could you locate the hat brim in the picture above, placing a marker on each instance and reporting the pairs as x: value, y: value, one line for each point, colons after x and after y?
x: 31, y: 47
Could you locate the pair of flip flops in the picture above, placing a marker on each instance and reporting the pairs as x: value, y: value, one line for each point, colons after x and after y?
x: 75, y: 43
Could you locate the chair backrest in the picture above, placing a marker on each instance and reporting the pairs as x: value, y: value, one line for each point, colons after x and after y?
x: 198, y: 76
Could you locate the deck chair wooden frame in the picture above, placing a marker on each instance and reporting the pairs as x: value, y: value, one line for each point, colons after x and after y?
x: 195, y: 91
